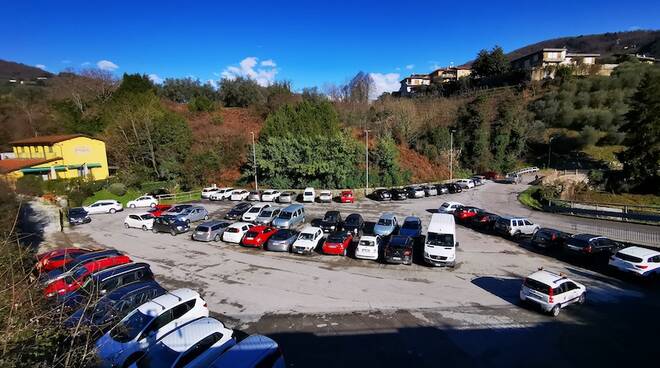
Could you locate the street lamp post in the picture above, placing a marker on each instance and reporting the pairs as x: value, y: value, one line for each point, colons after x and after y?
x: 366, y: 154
x: 254, y: 158
x: 451, y: 154
x: 549, y: 149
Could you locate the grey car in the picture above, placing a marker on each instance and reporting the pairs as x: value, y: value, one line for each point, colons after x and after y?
x: 210, y: 230
x: 387, y: 225
x: 282, y: 240
x: 286, y: 197
x: 192, y: 214
x: 254, y: 196
x: 430, y: 190
x: 267, y: 215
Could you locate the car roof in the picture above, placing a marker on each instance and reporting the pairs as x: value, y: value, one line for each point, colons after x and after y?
x: 442, y: 223
x: 213, y: 222
x: 108, y: 272
x: 184, y: 337
x: 639, y: 252
x: 326, y: 192
x: 246, y: 353
x: 167, y: 300
x: 239, y: 224
x: 453, y: 203
x: 292, y: 207
x: 352, y: 215
x: 369, y: 237
x: 587, y: 237
x: 548, y: 277
x: 508, y: 217
x: 412, y: 218
x: 310, y: 229
x: 122, y: 291
x: 399, y: 239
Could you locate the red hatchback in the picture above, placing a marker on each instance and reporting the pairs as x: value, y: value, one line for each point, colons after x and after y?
x: 57, y: 258
x: 465, y: 213
x: 78, y: 275
x: 347, y: 196
x: 337, y: 243
x: 257, y: 236
x: 159, y: 209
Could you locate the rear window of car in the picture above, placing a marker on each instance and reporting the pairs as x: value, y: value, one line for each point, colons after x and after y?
x: 578, y: 242
x: 203, y: 229
x: 628, y: 257
x: 309, y: 193
x: 537, y: 285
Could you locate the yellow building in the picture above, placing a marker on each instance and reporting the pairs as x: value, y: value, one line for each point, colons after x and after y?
x: 56, y: 157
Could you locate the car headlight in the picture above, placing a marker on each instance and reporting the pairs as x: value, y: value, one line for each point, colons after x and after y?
x: 179, y: 227
x: 51, y: 294
x: 332, y: 227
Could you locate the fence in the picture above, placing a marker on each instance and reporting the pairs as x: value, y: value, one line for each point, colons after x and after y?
x: 610, y: 211
x: 179, y: 197
x: 618, y: 233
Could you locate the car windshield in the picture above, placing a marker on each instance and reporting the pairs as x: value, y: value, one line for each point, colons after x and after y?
x: 352, y: 220
x: 385, y: 222
x: 445, y: 240
x: 79, y: 272
x: 147, y: 216
x: 330, y: 217
x: 251, y: 234
x: 77, y: 211
x: 266, y: 213
x: 130, y: 326
x: 254, y: 210
x: 283, y: 234
x: 628, y: 257
x: 336, y: 238
x: 410, y: 225
x: 203, y: 229
x: 306, y: 236
x: 285, y: 215
x: 158, y: 356
x: 445, y: 205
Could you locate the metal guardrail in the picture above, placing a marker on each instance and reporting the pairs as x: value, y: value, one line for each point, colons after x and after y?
x: 651, y: 239
x: 610, y: 211
x: 179, y: 197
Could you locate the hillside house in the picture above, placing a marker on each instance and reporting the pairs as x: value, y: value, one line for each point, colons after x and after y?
x: 543, y: 63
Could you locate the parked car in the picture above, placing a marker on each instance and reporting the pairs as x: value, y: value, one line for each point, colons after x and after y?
x: 354, y: 224
x: 239, y: 195
x: 381, y: 195
x: 346, y: 196
x: 440, y: 242
x: 337, y: 243
x: 57, y: 273
x: 75, y: 278
x: 159, y: 210
x: 368, y: 247
x: 479, y: 180
x: 387, y: 224
x: 309, y: 195
x: 430, y: 190
x: 416, y: 192
x: 78, y: 216
x: 114, y: 306
x: 325, y: 196
x: 221, y: 194
x: 442, y: 189
x: 449, y: 207
x: 192, y: 214
x: 465, y: 183
x: 484, y: 221
x: 592, y: 245
x: 511, y: 179
x: 169, y: 224
x: 399, y: 194
x: 126, y: 342
x: 254, y: 196
x: 144, y: 221
x: 58, y: 258
x: 454, y: 188
x: 208, y: 191
x: 412, y: 227
x: 238, y: 211
x: 176, y: 209
x: 143, y: 201
x: 104, y: 206
x: 638, y: 261
x: 267, y: 216
x: 234, y: 232
x: 549, y: 238
x: 551, y: 291
x: 399, y: 250
x: 258, y: 236
x: 194, y: 344
x: 465, y: 213
x: 331, y: 221
x: 286, y: 197
x: 210, y: 230
x: 270, y: 195
x: 255, y: 351
x: 515, y: 226
x: 289, y: 217
x: 254, y: 212
x: 308, y: 239
x: 282, y: 240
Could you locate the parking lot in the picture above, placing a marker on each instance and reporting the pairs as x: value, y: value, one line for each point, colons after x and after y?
x: 333, y: 311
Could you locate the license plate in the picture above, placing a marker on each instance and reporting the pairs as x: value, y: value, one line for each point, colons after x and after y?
x: 396, y: 258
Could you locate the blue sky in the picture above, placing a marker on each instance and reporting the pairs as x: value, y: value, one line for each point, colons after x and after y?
x: 307, y: 42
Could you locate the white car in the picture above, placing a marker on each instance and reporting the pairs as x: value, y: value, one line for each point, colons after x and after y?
x: 104, y: 206
x: 309, y: 195
x: 208, y: 191
x: 551, y: 291
x: 368, y: 247
x: 465, y: 183
x: 194, y: 344
x: 325, y: 196
x: 144, y: 221
x: 308, y: 239
x: 221, y: 194
x: 234, y: 232
x: 144, y: 201
x: 515, y: 226
x: 638, y: 261
x: 254, y: 212
x: 449, y: 207
x: 270, y: 195
x: 239, y: 195
x: 147, y: 324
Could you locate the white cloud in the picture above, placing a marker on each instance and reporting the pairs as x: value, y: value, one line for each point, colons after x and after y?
x: 410, y: 66
x: 86, y: 63
x: 107, y: 65
x: 246, y: 68
x: 155, y: 78
x: 384, y: 82
x: 41, y: 66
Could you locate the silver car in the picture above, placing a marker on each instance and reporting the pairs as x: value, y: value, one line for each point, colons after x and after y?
x: 267, y: 216
x: 192, y: 214
x: 387, y: 225
x: 254, y: 196
x: 282, y: 240
x: 286, y: 197
x: 210, y: 230
x: 430, y: 190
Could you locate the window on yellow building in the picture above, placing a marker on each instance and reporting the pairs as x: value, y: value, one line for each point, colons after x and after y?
x: 50, y: 149
x: 36, y: 149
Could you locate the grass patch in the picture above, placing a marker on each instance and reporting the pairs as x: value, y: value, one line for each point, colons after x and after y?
x: 625, y: 198
x: 528, y: 198
x: 603, y: 153
x: 130, y: 195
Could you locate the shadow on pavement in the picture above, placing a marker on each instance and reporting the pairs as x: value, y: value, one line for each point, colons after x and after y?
x: 31, y: 225
x: 505, y: 288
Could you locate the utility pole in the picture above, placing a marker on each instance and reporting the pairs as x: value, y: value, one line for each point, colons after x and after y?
x: 366, y: 153
x: 254, y: 159
x: 549, y: 149
x: 451, y: 154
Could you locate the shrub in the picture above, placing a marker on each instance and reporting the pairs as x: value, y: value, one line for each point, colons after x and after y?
x: 30, y: 185
x: 200, y: 104
x: 217, y: 119
x: 117, y: 189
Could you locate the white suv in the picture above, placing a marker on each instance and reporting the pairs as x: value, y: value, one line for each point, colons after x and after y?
x: 465, y: 183
x: 449, y: 207
x: 308, y: 240
x: 221, y: 194
x: 638, y: 261
x: 144, y: 201
x: 208, y: 191
x: 551, y: 291
x: 104, y: 206
x: 515, y: 226
x: 147, y: 324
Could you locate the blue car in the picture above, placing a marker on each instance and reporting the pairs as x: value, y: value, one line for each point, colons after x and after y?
x: 255, y: 351
x: 412, y: 227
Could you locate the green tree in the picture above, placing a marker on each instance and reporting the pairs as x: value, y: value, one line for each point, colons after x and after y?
x: 473, y: 135
x: 385, y: 165
x: 241, y: 92
x: 490, y: 63
x: 307, y: 118
x: 183, y: 90
x: 200, y: 104
x: 510, y: 132
x: 134, y: 83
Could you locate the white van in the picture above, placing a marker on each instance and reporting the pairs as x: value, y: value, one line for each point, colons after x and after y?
x: 440, y: 244
x: 309, y: 195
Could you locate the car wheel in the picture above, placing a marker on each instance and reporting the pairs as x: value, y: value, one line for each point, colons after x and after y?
x: 216, y: 238
x: 132, y: 206
x: 144, y: 228
x: 173, y: 233
x: 126, y: 225
x: 516, y: 235
x: 582, y: 299
x: 555, y: 311
x: 112, y: 210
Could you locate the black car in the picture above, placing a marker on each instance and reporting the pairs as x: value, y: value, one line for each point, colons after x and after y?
x: 381, y: 195
x: 454, y: 188
x: 238, y: 210
x: 484, y: 221
x: 591, y: 245
x: 77, y: 216
x: 399, y: 194
x: 549, y: 238
x: 169, y: 224
x: 115, y: 305
x: 354, y: 223
x: 399, y: 250
x: 331, y: 221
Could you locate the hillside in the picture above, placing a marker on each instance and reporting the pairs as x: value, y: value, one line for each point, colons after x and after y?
x: 12, y: 70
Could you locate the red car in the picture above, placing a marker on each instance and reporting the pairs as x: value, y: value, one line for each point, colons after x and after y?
x: 347, y: 196
x: 491, y: 175
x: 257, y: 236
x: 337, y: 243
x: 57, y: 258
x: 159, y: 209
x: 78, y: 275
x: 465, y: 213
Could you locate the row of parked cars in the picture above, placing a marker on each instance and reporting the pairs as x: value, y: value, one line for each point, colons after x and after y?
x: 214, y: 193
x: 428, y: 190
x: 138, y: 323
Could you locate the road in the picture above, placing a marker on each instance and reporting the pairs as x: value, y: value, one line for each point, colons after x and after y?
x: 329, y: 311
